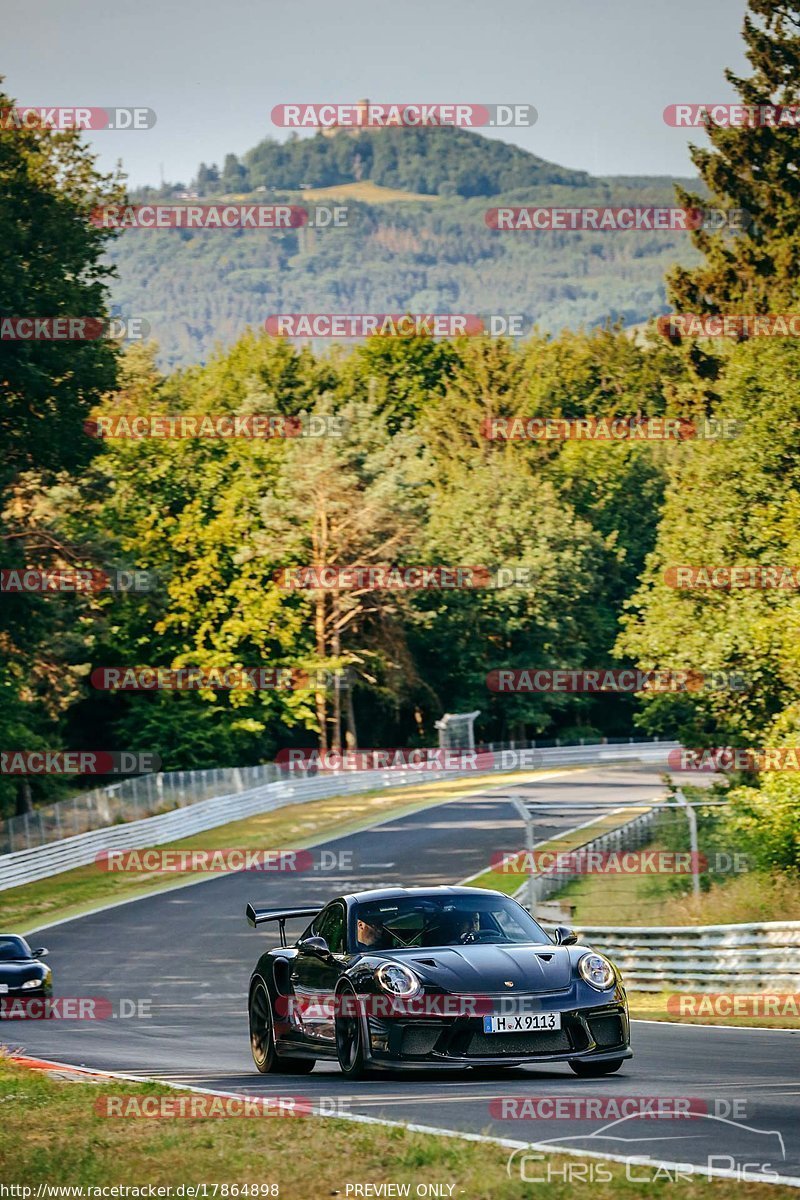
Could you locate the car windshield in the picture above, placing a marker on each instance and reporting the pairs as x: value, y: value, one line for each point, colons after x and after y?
x: 436, y: 920
x: 13, y: 948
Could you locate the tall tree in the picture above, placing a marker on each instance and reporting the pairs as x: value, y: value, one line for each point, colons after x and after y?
x: 51, y: 265
x: 751, y: 167
x: 731, y: 502
x: 344, y: 502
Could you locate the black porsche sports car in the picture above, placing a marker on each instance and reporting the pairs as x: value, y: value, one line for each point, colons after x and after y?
x: 21, y: 972
x: 421, y: 977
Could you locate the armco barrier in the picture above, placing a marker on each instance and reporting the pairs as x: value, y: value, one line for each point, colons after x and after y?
x: 141, y: 796
x: 130, y: 799
x: 628, y: 836
x: 26, y: 866
x: 703, y: 958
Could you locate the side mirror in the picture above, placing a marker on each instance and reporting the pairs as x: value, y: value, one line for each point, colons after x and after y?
x: 564, y: 936
x: 42, y: 952
x: 314, y: 945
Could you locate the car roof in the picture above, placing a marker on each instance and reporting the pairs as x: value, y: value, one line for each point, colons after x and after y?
x: 390, y: 893
x: 18, y: 939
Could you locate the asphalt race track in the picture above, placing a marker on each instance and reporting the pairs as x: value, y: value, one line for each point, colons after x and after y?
x: 190, y: 952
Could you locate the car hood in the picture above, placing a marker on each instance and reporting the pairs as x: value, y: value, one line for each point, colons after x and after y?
x: 15, y: 973
x: 484, y: 969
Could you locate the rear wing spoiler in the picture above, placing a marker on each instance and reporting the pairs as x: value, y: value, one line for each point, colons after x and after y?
x: 260, y: 916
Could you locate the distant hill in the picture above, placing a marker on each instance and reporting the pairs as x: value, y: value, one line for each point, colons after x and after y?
x: 417, y: 241
x: 444, y: 161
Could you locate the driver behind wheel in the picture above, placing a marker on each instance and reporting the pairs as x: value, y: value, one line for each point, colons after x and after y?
x: 452, y: 929
x: 371, y: 937
x: 467, y: 926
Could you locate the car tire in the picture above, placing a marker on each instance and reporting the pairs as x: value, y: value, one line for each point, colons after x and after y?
x: 349, y: 1038
x: 590, y: 1070
x: 262, y: 1039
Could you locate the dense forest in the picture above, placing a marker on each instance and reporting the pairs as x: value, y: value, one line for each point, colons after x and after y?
x: 200, y: 290
x: 408, y: 477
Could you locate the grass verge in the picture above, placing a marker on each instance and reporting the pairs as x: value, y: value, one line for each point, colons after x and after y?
x: 306, y: 1157
x: 696, y: 1009
x: 668, y: 899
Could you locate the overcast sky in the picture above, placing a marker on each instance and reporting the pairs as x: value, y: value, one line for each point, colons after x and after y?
x: 599, y: 72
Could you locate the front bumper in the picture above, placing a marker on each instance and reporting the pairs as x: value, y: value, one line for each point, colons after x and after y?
x: 596, y: 1034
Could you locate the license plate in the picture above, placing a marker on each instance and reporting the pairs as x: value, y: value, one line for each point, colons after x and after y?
x: 3, y: 989
x: 522, y: 1022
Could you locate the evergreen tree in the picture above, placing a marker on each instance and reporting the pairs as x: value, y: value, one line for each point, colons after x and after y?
x: 234, y: 175
x: 751, y: 167
x: 207, y: 179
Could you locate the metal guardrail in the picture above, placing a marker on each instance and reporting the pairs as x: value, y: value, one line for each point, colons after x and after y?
x: 143, y: 796
x: 704, y: 958
x: 127, y: 800
x: 39, y: 862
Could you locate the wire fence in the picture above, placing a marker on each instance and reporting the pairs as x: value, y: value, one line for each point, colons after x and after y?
x: 150, y: 795
x: 129, y: 800
x: 686, y: 857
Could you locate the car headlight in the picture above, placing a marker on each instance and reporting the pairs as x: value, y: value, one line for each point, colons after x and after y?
x: 397, y: 979
x: 32, y: 983
x: 596, y: 971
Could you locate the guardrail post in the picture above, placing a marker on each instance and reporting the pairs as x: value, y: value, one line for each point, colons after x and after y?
x: 527, y: 817
x: 692, y: 819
